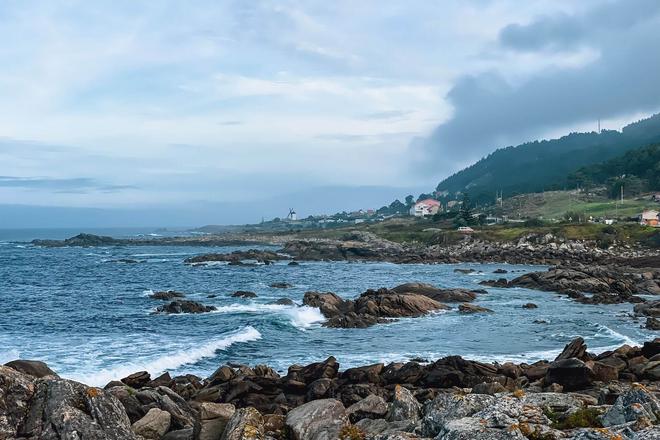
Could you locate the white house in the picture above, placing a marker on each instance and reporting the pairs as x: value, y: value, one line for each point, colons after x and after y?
x: 425, y: 207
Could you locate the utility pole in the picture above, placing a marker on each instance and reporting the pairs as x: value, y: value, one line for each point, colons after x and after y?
x: 598, y: 125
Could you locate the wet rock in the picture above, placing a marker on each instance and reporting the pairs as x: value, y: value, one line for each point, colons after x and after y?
x: 237, y: 257
x: 530, y: 306
x: 153, y: 425
x: 137, y: 380
x: 437, y: 294
x: 33, y: 368
x: 371, y: 407
x: 464, y: 271
x: 184, y: 306
x: 500, y: 271
x: 473, y: 308
x: 572, y: 374
x: 167, y: 295
x: 243, y: 294
x: 317, y: 420
x: 372, y: 307
x: 404, y: 406
x: 212, y: 419
x: 574, y: 349
x: 284, y: 302
x: 652, y: 323
x: 245, y: 424
x: 281, y: 285
x: 636, y: 403
x: 649, y: 308
x: 651, y: 348
x: 293, y: 263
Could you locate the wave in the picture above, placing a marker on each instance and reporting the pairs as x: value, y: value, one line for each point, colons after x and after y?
x: 167, y: 362
x: 604, y: 330
x: 302, y: 317
x: 10, y: 355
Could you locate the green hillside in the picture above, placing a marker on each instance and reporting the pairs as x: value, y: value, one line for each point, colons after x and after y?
x: 546, y: 165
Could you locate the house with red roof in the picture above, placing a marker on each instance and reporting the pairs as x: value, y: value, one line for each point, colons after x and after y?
x: 425, y: 207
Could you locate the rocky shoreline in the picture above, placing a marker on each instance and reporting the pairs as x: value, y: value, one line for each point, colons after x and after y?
x: 579, y: 395
x: 544, y: 249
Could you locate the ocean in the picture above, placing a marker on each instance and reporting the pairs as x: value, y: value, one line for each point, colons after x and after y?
x: 89, y: 316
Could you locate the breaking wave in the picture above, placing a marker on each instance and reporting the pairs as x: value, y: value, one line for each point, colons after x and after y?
x: 170, y: 361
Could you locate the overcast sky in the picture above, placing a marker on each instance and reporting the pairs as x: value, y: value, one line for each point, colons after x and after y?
x: 127, y: 103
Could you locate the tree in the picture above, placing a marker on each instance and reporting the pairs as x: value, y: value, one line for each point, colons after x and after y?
x: 466, y: 210
x: 410, y: 200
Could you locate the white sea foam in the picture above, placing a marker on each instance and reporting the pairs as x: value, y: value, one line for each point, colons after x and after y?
x: 304, y: 317
x: 9, y: 355
x: 170, y: 361
x: 603, y: 330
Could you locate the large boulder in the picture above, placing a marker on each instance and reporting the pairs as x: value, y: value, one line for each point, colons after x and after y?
x: 574, y: 349
x: 437, y: 294
x: 404, y: 406
x: 371, y: 407
x: 447, y: 407
x: 473, y: 428
x: 33, y: 368
x: 317, y: 420
x: 636, y: 403
x: 153, y: 425
x: 572, y: 374
x: 212, y: 418
x: 64, y: 409
x: 245, y: 424
x: 16, y: 391
x: 137, y: 380
x: 372, y: 307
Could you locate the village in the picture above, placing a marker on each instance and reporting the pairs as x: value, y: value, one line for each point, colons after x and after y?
x: 552, y: 207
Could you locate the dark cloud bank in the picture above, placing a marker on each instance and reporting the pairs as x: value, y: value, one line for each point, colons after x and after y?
x: 489, y: 112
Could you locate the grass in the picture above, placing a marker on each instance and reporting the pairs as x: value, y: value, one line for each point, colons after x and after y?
x: 581, y: 418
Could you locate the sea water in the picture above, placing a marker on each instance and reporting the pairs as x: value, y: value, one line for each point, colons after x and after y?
x: 89, y: 316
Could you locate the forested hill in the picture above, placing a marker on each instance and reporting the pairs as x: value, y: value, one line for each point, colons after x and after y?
x: 547, y: 165
x: 637, y: 170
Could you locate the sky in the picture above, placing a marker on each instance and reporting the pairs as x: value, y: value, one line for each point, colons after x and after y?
x: 199, y: 111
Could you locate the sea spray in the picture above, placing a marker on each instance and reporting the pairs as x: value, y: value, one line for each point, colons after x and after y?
x: 167, y: 362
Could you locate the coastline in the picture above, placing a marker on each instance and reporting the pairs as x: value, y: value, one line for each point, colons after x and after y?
x: 577, y: 395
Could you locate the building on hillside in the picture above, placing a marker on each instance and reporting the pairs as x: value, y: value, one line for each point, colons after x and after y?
x: 649, y: 217
x: 425, y: 207
x: 656, y: 197
x: 453, y: 203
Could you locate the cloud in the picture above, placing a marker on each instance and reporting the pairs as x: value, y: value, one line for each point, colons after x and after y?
x: 491, y: 110
x: 65, y: 185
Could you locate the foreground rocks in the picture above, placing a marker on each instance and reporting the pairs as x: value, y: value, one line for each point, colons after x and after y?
x: 579, y: 395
